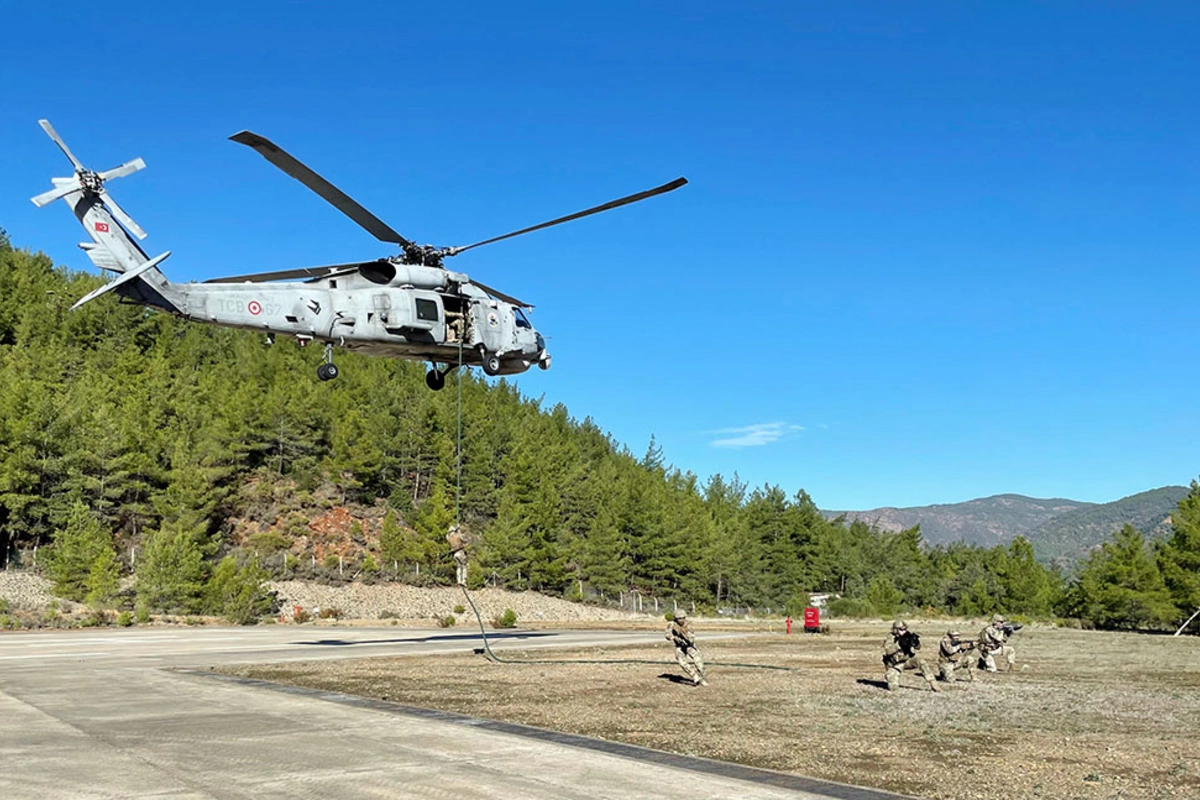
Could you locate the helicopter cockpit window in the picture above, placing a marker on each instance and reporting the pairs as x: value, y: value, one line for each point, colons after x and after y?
x: 427, y: 310
x: 522, y: 320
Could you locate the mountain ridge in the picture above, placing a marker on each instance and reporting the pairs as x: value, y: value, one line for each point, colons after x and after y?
x: 1061, y: 530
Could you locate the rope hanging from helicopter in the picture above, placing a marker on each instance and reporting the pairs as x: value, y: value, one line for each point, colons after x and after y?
x: 487, y: 647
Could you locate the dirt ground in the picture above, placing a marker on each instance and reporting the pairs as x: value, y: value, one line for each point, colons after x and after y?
x: 1086, y: 714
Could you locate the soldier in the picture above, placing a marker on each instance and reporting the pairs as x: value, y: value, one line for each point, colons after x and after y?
x: 992, y: 640
x: 680, y: 634
x: 900, y: 653
x: 952, y: 653
x: 459, y: 540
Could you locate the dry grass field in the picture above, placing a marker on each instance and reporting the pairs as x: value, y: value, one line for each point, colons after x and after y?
x: 1086, y: 715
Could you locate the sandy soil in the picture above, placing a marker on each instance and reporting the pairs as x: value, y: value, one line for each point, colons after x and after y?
x: 1086, y: 715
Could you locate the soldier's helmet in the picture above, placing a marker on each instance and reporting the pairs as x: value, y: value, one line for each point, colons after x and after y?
x: 998, y: 619
x: 680, y: 614
x: 899, y: 626
x: 953, y: 634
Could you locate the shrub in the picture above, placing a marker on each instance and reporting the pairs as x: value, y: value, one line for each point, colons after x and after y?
x: 389, y: 615
x: 3, y: 606
x: 330, y: 561
x: 447, y: 621
x: 850, y: 607
x: 506, y: 620
x: 125, y: 619
x: 669, y: 616
x: 330, y: 613
x: 142, y: 615
x: 97, y: 618
x: 301, y: 617
x: 238, y: 593
x: 460, y: 609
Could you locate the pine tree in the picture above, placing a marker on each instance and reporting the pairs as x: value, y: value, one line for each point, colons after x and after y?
x: 83, y: 564
x: 1179, y: 556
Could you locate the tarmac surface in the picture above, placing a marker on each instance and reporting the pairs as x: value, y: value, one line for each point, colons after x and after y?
x: 108, y: 713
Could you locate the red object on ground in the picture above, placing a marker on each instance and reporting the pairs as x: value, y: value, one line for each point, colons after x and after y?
x: 812, y: 619
x: 789, y: 624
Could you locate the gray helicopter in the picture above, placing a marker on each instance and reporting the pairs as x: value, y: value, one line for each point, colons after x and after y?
x: 404, y: 306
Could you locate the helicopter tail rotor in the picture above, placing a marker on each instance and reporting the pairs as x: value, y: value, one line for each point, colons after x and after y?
x: 85, y: 180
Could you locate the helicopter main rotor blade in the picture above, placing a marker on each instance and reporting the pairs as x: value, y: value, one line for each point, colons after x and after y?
x: 53, y: 134
x: 121, y: 216
x: 333, y: 195
x: 290, y: 274
x: 624, y: 201
x: 501, y: 295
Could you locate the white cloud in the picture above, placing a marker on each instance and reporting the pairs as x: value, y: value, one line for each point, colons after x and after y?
x: 756, y: 435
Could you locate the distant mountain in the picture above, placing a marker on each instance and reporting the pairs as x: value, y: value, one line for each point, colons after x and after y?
x: 1061, y: 530
x: 1070, y: 535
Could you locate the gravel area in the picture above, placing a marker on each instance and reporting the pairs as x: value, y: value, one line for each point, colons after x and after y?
x: 25, y: 591
x: 360, y: 601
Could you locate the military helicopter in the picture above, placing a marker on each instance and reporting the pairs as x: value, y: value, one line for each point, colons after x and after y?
x: 405, y: 306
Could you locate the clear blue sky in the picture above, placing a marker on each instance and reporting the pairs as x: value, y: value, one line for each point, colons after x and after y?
x: 926, y: 254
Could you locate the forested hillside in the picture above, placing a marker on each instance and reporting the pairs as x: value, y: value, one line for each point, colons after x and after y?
x: 984, y: 521
x: 1070, y: 536
x: 197, y: 457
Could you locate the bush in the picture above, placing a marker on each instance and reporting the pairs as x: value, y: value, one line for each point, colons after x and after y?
x: 125, y: 619
x: 506, y: 620
x: 447, y: 621
x: 238, y: 593
x: 301, y: 617
x: 460, y: 609
x: 3, y: 606
x: 389, y: 615
x: 850, y: 607
x: 330, y: 613
x: 97, y: 618
x: 142, y: 615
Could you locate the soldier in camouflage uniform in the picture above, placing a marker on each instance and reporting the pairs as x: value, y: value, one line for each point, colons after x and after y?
x: 993, y: 639
x: 458, y: 539
x: 954, y: 653
x: 900, y: 653
x: 680, y: 634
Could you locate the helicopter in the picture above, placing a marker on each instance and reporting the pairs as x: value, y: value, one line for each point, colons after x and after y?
x: 407, y: 305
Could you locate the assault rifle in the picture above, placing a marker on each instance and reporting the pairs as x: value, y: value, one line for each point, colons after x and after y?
x: 909, y: 641
x: 1010, y: 628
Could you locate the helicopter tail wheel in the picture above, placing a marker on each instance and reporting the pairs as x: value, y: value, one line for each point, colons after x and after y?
x: 544, y: 363
x: 435, y: 380
x: 491, y: 363
x: 327, y: 372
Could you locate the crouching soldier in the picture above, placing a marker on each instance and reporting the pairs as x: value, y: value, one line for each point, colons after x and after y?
x: 994, y: 639
x: 954, y: 653
x: 680, y: 634
x: 900, y: 653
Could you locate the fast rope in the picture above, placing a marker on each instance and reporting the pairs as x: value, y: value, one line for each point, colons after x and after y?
x: 487, y: 647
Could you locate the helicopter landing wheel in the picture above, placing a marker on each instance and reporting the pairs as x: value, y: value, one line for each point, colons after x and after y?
x: 327, y: 372
x: 435, y: 380
x: 491, y: 363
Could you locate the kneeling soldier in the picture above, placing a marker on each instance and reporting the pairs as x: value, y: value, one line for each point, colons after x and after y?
x: 900, y: 653
x: 954, y: 652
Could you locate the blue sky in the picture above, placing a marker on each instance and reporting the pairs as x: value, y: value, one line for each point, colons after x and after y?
x: 924, y: 256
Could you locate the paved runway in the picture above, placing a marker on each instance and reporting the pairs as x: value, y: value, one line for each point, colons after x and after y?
x: 100, y: 714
